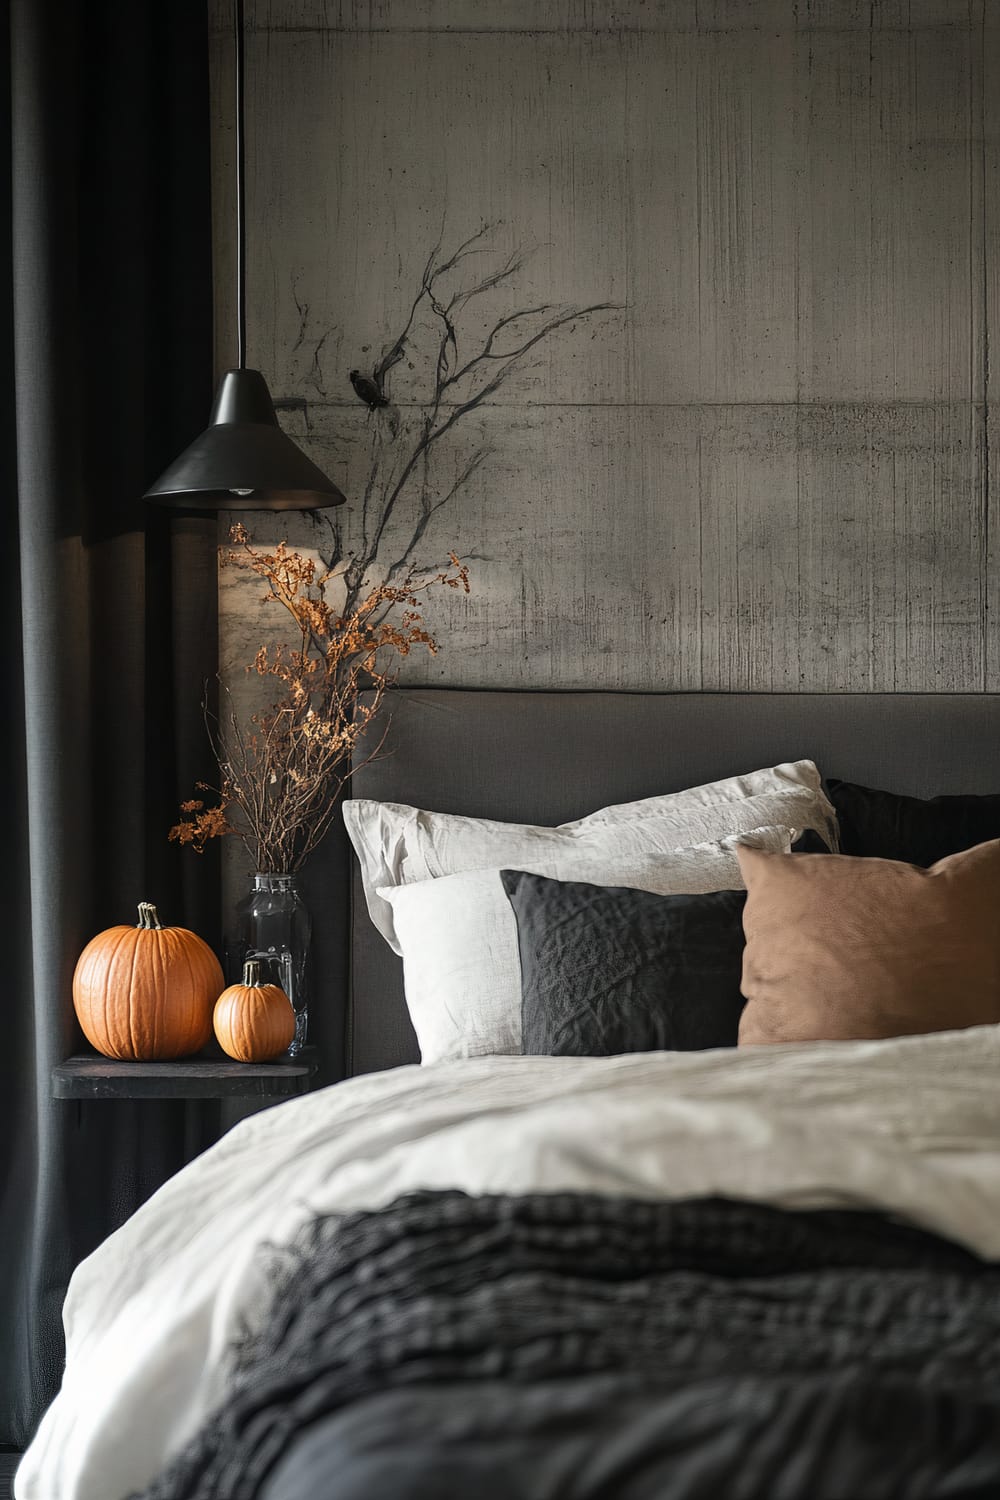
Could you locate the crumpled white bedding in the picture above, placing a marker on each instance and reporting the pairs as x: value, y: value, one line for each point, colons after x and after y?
x: 910, y: 1126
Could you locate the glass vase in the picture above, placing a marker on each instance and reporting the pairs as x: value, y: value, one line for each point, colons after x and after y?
x: 273, y: 926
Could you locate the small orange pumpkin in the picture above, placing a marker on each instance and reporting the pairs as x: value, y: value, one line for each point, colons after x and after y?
x: 145, y: 993
x: 253, y: 1022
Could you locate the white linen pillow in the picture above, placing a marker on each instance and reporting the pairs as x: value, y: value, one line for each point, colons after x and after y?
x: 458, y: 934
x: 397, y: 845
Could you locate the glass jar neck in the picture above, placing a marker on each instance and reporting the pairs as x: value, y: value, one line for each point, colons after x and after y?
x: 274, y: 882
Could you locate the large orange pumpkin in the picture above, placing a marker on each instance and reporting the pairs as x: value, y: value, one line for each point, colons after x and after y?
x: 253, y: 1022
x: 146, y: 993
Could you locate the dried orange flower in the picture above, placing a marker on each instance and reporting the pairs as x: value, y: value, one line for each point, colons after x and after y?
x: 281, y: 773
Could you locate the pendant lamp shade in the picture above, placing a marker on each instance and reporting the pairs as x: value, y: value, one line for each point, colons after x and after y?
x: 243, y: 460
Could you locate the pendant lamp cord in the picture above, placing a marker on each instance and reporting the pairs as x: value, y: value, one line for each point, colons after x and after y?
x: 241, y: 206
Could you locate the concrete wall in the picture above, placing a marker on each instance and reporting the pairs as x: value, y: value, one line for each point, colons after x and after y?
x: 772, y: 469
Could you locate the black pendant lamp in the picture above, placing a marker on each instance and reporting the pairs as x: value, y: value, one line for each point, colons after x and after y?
x: 243, y: 460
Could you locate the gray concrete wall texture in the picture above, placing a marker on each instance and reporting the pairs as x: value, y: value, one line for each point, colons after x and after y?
x: 770, y: 468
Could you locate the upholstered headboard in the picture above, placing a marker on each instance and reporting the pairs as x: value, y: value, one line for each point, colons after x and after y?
x: 551, y: 757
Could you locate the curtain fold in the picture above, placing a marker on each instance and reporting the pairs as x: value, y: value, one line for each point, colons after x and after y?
x: 108, y: 605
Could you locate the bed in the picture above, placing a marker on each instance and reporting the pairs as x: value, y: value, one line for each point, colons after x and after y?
x: 764, y: 1272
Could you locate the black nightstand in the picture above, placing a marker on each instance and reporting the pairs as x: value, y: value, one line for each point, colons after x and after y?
x: 90, y: 1076
x: 240, y: 1088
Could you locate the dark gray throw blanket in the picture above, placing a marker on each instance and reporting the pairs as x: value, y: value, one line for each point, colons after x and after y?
x: 581, y: 1347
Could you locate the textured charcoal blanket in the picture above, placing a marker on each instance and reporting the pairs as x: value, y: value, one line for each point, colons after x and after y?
x: 582, y: 1347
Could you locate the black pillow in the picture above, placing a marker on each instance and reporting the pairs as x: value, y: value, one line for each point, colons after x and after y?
x: 605, y: 969
x: 885, y: 825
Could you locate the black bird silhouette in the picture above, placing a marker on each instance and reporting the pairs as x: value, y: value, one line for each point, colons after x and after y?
x: 368, y: 390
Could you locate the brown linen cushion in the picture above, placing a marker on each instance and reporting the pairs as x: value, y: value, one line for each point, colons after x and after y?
x: 841, y: 947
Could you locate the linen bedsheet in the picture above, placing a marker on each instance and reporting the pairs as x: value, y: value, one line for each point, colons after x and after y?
x: 908, y: 1127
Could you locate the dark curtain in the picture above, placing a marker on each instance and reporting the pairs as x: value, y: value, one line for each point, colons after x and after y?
x: 108, y: 605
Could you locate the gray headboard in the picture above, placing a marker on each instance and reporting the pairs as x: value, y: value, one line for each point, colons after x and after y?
x: 551, y: 757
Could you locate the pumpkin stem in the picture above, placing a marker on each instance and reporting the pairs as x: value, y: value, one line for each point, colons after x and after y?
x: 148, y: 919
x: 251, y: 974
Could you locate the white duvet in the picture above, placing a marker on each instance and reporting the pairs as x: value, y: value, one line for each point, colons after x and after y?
x: 909, y: 1126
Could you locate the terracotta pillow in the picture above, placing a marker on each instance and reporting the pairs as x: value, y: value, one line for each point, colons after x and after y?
x: 841, y: 947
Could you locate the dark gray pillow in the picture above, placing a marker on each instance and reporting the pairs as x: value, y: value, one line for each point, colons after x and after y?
x: 605, y: 969
x: 917, y: 831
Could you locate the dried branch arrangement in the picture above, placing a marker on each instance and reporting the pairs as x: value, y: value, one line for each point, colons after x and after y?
x: 408, y: 425
x: 282, y: 771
